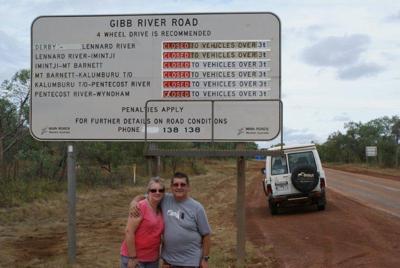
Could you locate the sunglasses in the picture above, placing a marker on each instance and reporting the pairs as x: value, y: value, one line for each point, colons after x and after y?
x: 156, y: 190
x: 179, y: 184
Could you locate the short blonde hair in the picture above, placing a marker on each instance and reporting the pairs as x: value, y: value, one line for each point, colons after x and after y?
x: 158, y: 180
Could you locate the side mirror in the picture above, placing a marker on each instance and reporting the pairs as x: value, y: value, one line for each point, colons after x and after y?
x: 263, y: 171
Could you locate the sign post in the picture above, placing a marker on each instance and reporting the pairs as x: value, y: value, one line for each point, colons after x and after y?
x: 370, y: 151
x: 71, y: 205
x: 241, y: 208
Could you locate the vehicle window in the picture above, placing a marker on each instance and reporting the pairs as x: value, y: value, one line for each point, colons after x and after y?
x: 301, y: 159
x: 278, y: 165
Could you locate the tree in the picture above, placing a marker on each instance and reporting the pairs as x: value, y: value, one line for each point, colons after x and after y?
x: 350, y: 147
x: 14, y: 95
x: 396, y: 134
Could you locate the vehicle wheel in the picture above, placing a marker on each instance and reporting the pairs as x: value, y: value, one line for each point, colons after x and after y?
x: 265, y: 190
x: 321, y: 202
x: 305, y: 178
x: 273, y: 209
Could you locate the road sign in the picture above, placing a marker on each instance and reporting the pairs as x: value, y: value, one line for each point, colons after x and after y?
x: 371, y: 151
x: 156, y: 77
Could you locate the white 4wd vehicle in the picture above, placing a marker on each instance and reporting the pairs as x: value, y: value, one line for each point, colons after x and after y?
x: 296, y: 177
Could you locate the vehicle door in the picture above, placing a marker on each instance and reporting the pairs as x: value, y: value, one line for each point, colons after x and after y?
x: 299, y: 159
x: 280, y: 178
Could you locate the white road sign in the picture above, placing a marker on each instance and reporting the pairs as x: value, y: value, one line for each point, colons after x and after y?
x: 371, y: 151
x: 156, y: 77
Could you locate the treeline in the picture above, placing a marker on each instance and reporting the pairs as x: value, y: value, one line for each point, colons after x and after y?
x: 349, y: 147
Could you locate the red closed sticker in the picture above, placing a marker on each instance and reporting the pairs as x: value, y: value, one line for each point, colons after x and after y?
x: 168, y: 84
x: 177, y: 55
x: 176, y: 93
x: 176, y: 64
x: 177, y: 74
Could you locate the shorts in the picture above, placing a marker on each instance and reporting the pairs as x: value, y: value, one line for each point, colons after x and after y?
x: 177, y: 266
x: 124, y: 263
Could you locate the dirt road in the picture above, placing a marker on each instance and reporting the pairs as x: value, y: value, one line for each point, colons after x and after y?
x: 347, y: 234
x: 382, y: 194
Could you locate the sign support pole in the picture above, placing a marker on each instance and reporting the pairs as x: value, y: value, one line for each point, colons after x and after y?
x: 155, y: 162
x: 397, y: 147
x: 241, y: 209
x: 154, y: 167
x: 158, y: 165
x: 71, y: 205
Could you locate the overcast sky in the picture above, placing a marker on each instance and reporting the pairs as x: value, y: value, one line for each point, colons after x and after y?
x: 340, y: 61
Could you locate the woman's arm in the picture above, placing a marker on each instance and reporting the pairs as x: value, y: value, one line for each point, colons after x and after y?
x: 130, y: 229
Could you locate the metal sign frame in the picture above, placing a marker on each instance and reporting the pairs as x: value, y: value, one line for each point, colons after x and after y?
x: 81, y: 137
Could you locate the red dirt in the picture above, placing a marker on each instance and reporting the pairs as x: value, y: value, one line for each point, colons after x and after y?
x: 346, y: 234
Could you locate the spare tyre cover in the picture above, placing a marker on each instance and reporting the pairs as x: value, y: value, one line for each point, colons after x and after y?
x: 305, y: 178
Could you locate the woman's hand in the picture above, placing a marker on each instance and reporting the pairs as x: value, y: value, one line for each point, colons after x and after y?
x: 134, y: 210
x: 132, y: 263
x: 204, y: 264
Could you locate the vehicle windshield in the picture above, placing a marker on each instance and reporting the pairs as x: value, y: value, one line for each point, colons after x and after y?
x: 278, y: 165
x: 301, y: 159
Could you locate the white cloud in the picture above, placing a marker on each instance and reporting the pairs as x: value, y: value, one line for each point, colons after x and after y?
x: 336, y: 51
x: 359, y: 70
x: 344, y: 54
x: 291, y: 137
x: 12, y: 54
x: 342, y: 118
x: 298, y: 136
x: 394, y: 17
